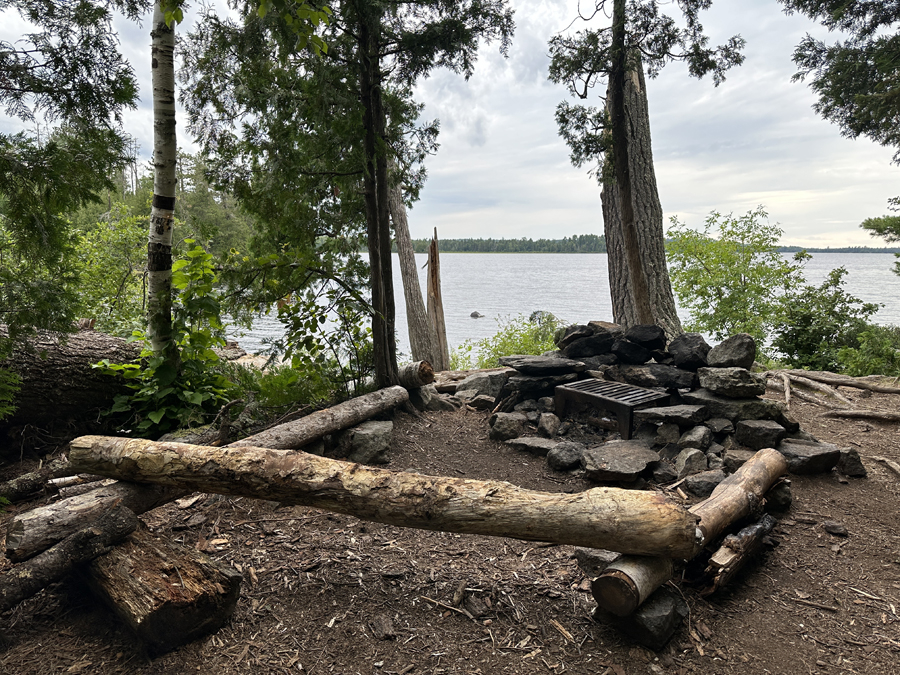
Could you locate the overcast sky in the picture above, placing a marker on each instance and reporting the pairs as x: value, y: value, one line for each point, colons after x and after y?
x: 502, y: 170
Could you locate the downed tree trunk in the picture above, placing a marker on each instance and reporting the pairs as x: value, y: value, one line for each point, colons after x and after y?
x: 167, y: 594
x: 736, y: 497
x: 735, y: 552
x: 26, y: 579
x: 34, y: 531
x: 298, y: 433
x: 416, y: 375
x: 629, y: 521
x: 857, y: 413
x: 843, y: 381
x: 27, y: 484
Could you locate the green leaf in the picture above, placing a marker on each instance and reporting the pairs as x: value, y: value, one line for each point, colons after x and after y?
x: 156, y: 415
x: 166, y: 374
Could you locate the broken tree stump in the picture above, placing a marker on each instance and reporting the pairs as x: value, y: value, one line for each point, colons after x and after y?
x: 629, y: 521
x: 735, y: 552
x: 166, y: 593
x: 26, y: 579
x: 307, y: 429
x: 416, y: 375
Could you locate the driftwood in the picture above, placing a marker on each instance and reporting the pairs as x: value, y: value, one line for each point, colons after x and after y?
x: 166, y: 593
x: 26, y: 579
x: 735, y: 498
x: 435, y: 307
x: 857, y: 413
x: 416, y: 375
x: 307, y: 429
x: 735, y: 552
x: 629, y: 521
x: 34, y: 531
x: 28, y: 484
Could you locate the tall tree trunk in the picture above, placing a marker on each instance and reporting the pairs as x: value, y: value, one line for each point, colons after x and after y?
x: 159, y: 246
x: 436, y: 307
x: 376, y: 198
x: 632, y: 214
x: 421, y: 336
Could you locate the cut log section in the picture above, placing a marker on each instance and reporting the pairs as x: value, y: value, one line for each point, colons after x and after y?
x: 416, y: 375
x: 629, y: 521
x: 167, y: 594
x: 735, y: 553
x: 307, y: 429
x: 630, y: 580
x: 26, y: 579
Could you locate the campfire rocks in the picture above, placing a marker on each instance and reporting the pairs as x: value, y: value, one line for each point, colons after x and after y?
x: 618, y: 461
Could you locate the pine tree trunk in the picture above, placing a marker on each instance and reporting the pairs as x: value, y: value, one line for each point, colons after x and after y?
x: 159, y: 246
x: 632, y: 214
x: 421, y: 336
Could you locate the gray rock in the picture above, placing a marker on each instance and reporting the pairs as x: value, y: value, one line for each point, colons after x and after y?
x: 719, y: 425
x: 702, y: 484
x: 526, y: 383
x: 573, y: 333
x: 630, y: 352
x: 689, y: 351
x: 620, y: 461
x: 592, y: 561
x: 507, y: 425
x: 607, y: 328
x: 526, y: 406
x: 542, y: 365
x: 654, y: 622
x: 594, y: 362
x: 735, y: 409
x: 663, y: 357
x: 835, y: 528
x: 690, y: 461
x: 589, y: 346
x: 732, y: 382
x: 482, y: 402
x: 648, y: 336
x: 533, y: 416
x: 736, y: 457
x: 548, y: 425
x: 715, y: 449
x: 486, y: 384
x: 546, y: 404
x: 668, y: 433
x: 850, y: 464
x: 714, y: 461
x: 779, y: 498
x: 533, y: 444
x: 759, y: 434
x: 367, y: 443
x: 476, y: 315
x: 664, y: 472
x: 466, y: 395
x: 699, y: 437
x: 669, y: 451
x: 682, y: 415
x: 653, y: 375
x: 737, y: 351
x: 805, y: 457
x: 427, y: 398
x: 565, y: 456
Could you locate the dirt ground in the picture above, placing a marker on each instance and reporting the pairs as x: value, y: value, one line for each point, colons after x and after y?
x: 320, y: 589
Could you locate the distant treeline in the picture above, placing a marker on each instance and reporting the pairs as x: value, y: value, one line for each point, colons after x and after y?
x: 846, y: 249
x: 580, y: 243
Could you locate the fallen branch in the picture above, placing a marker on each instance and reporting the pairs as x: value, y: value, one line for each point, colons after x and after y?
x: 858, y: 413
x: 843, y: 381
x: 778, y: 385
x: 27, y: 484
x: 893, y: 466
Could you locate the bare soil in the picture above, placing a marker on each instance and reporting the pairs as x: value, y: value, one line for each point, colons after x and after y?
x: 321, y: 590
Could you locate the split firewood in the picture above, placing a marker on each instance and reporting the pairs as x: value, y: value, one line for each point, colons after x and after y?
x: 26, y: 579
x: 629, y: 521
x: 416, y: 375
x: 166, y: 593
x: 736, y: 551
x: 735, y: 498
x: 857, y: 413
x: 28, y: 484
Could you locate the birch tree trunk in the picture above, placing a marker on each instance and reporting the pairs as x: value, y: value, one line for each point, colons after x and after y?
x: 159, y: 246
x: 632, y: 214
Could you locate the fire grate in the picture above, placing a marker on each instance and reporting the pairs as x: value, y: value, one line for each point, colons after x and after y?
x: 622, y: 399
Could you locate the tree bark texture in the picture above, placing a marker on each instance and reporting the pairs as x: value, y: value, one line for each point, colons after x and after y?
x: 421, y: 334
x: 167, y: 594
x: 416, y: 375
x: 737, y: 550
x: 26, y: 579
x: 27, y: 484
x: 32, y: 532
x: 59, y: 387
x: 298, y: 433
x: 162, y: 213
x: 632, y: 217
x: 436, y: 307
x: 630, y: 521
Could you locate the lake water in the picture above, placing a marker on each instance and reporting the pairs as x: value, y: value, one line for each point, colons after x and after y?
x: 574, y: 288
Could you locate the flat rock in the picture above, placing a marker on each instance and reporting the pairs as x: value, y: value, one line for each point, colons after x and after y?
x: 732, y: 382
x: 595, y: 362
x: 720, y: 425
x: 690, y: 461
x: 647, y: 335
x: 505, y: 426
x: 682, y: 415
x: 527, y: 383
x: 736, y: 457
x: 565, y: 456
x: 689, y: 351
x: 573, y: 333
x: 654, y: 622
x: 699, y: 437
x: 759, y: 434
x: 482, y: 402
x: 533, y: 444
x: 806, y: 457
x: 737, y: 351
x: 735, y: 409
x: 702, y: 484
x: 548, y: 425
x: 653, y: 375
x: 486, y: 384
x: 850, y: 464
x: 542, y: 365
x: 835, y: 528
x: 630, y: 352
x: 621, y: 461
x: 667, y: 433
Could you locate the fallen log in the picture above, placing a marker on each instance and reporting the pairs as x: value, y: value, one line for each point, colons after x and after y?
x: 416, y: 375
x: 779, y: 386
x: 307, y: 429
x: 857, y: 413
x: 735, y: 552
x: 735, y: 498
x: 843, y: 381
x: 27, y: 484
x: 167, y: 594
x: 26, y: 579
x: 34, y: 531
x: 893, y: 466
x: 629, y: 521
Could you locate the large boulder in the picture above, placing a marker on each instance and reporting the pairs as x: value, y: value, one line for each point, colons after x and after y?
x: 682, y: 415
x: 485, y: 383
x: 565, y: 456
x: 621, y: 461
x: 759, y: 434
x: 805, y: 457
x: 542, y: 365
x: 735, y: 409
x: 689, y: 351
x: 367, y: 443
x: 593, y: 345
x: 505, y: 426
x: 737, y: 351
x: 647, y: 335
x: 630, y: 352
x: 732, y: 382
x: 652, y: 375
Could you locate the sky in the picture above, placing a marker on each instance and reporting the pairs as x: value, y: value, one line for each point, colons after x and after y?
x: 503, y: 171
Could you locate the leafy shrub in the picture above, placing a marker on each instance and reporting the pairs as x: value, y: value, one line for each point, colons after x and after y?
x: 878, y: 353
x: 516, y: 335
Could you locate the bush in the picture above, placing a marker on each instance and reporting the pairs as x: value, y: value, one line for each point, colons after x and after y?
x: 517, y: 335
x: 878, y: 353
